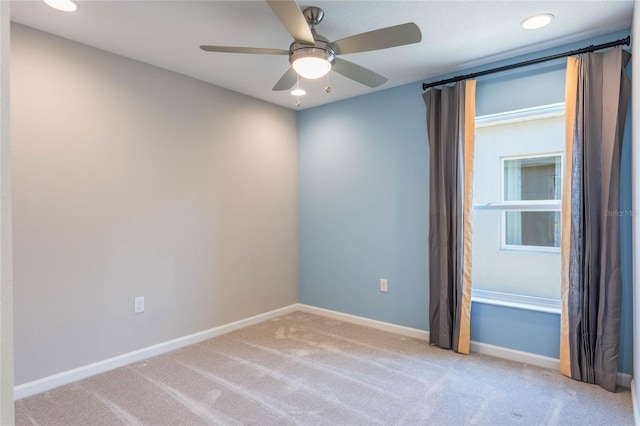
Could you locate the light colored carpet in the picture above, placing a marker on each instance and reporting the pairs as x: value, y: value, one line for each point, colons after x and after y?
x: 305, y: 369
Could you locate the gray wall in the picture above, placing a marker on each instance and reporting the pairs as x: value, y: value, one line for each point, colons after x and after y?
x: 6, y: 282
x: 130, y: 180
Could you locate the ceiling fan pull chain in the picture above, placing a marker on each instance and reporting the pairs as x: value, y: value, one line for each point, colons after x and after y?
x: 327, y: 87
x: 297, y: 103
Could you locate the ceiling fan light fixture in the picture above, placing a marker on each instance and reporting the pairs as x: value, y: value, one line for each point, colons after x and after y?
x: 537, y: 21
x: 311, y: 67
x: 62, y: 5
x: 298, y: 92
x: 311, y: 62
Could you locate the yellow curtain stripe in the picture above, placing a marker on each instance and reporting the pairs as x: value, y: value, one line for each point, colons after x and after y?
x: 571, y: 94
x: 469, y: 141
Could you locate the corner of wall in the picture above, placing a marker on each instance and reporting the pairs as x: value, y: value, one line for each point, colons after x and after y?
x: 6, y: 280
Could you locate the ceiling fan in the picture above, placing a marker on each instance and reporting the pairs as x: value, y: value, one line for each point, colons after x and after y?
x: 312, y: 56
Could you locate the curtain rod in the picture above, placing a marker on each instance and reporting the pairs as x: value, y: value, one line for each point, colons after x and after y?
x: 623, y: 41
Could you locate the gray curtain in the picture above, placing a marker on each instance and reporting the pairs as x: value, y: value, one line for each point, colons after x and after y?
x: 445, y: 128
x: 595, y: 284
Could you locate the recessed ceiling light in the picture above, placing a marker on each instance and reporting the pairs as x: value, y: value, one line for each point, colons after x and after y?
x: 537, y: 21
x: 298, y: 92
x: 63, y: 5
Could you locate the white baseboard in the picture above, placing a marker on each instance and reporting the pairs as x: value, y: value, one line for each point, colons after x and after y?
x: 380, y: 325
x: 515, y: 355
x: 636, y: 406
x: 624, y: 379
x: 65, y: 377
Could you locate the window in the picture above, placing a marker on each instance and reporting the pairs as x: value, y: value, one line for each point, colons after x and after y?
x: 517, y: 200
x: 533, y: 182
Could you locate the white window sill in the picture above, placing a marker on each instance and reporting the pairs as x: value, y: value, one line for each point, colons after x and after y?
x: 530, y: 250
x: 517, y: 301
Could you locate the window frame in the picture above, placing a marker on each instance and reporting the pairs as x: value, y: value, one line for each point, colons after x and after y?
x: 527, y: 205
x: 514, y: 300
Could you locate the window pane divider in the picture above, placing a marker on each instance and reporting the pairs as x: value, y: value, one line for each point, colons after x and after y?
x: 522, y: 206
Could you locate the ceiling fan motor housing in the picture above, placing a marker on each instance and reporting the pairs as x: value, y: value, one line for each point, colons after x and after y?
x: 313, y: 15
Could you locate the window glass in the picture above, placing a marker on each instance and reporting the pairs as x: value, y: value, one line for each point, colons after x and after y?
x: 525, y: 180
x: 535, y: 178
x: 538, y: 229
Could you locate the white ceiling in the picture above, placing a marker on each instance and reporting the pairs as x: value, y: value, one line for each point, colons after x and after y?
x: 455, y: 35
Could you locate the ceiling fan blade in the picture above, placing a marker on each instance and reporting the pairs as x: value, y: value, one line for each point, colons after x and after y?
x: 232, y: 49
x: 398, y: 35
x: 287, y: 81
x: 292, y: 18
x: 358, y: 73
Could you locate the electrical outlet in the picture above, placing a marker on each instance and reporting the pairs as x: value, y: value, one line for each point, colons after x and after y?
x: 138, y: 305
x: 383, y: 285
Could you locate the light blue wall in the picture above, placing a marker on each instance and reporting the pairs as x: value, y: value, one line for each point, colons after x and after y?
x: 362, y: 206
x: 625, y: 363
x: 363, y: 185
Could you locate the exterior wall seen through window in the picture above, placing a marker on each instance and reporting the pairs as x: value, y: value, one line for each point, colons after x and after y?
x: 517, y: 200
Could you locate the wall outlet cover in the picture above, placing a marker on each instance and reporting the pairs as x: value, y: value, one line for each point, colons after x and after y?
x: 138, y: 305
